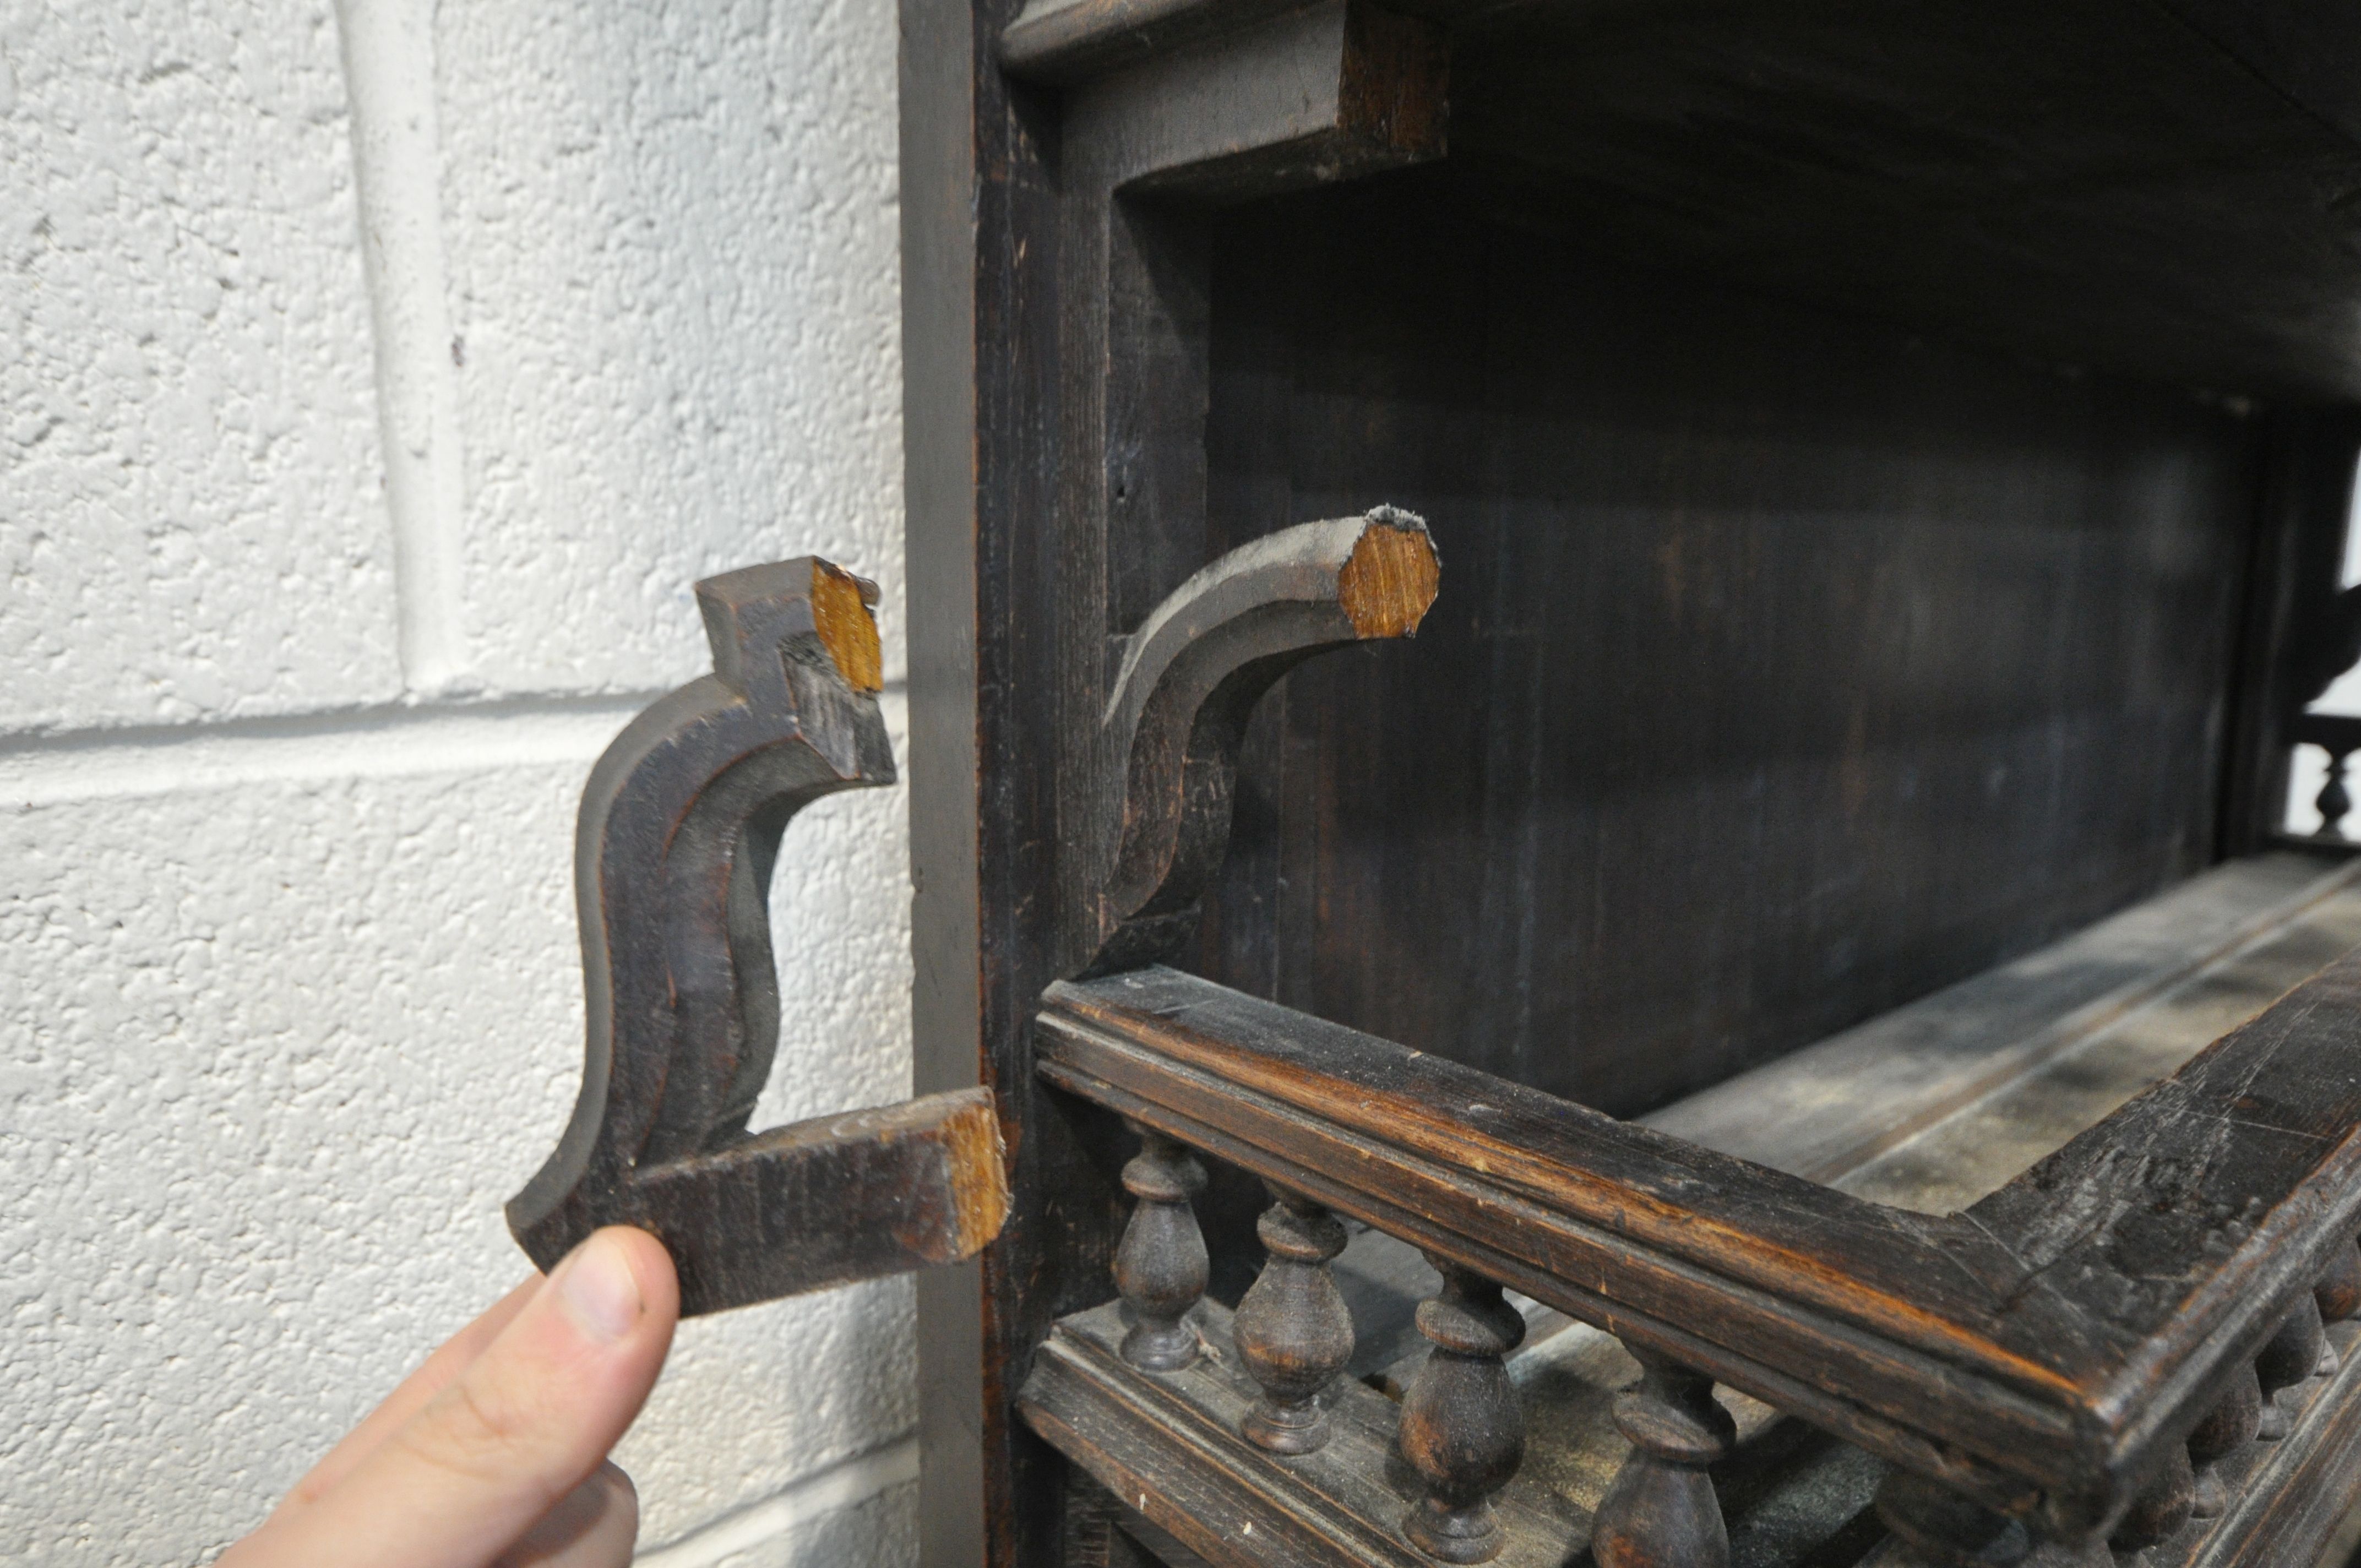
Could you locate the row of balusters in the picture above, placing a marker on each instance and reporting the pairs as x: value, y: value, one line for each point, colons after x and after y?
x: 1462, y: 1430
x: 1939, y: 1529
x: 1462, y: 1427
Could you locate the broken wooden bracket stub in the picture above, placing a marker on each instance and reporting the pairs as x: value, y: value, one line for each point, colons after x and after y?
x: 679, y: 831
x: 1189, y: 682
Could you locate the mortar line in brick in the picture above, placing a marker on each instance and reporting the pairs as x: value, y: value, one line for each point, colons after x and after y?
x: 840, y: 1486
x: 370, y: 742
x: 388, y: 49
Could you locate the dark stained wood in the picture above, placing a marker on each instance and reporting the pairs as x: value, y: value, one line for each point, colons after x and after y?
x: 1329, y: 92
x: 1597, y: 1259
x: 2288, y: 1358
x: 2291, y: 1497
x: 1191, y: 677
x: 2304, y: 49
x: 1787, y: 668
x: 1462, y: 1431
x: 1293, y: 1329
x: 1171, y: 1447
x: 2232, y: 1423
x: 1159, y: 1268
x: 2167, y: 1502
x: 679, y: 831
x: 2180, y: 969
x: 1955, y: 1163
x: 1083, y: 436
x: 1937, y: 1528
x: 1053, y: 301
x: 2093, y: 183
x: 1662, y: 1512
x: 2337, y: 1291
x: 2093, y: 1306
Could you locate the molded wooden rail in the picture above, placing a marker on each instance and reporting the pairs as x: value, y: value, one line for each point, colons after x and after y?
x: 2044, y: 1355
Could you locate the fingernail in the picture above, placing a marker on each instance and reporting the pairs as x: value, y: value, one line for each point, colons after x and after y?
x: 599, y: 1290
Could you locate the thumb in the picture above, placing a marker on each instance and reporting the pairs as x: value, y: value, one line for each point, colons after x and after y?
x: 505, y: 1441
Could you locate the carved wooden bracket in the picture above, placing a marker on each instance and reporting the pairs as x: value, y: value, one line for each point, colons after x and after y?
x: 1163, y: 119
x: 1189, y: 679
x: 678, y: 830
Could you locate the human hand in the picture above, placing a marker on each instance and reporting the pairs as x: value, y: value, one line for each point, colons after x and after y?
x: 493, y: 1453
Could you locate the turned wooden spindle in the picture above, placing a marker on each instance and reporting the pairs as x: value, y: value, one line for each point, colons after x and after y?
x: 1461, y: 1429
x: 2163, y: 1506
x: 1293, y: 1331
x: 1936, y: 1528
x: 2228, y: 1427
x: 1662, y: 1509
x: 2292, y: 1356
x: 2334, y: 800
x: 1160, y: 1264
x: 2338, y: 1292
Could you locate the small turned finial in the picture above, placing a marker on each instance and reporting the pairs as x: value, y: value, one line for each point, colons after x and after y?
x: 1293, y: 1331
x: 2334, y: 800
x: 1461, y: 1429
x: 1161, y: 1265
x: 2228, y: 1427
x: 2290, y: 1355
x: 2163, y: 1506
x: 1662, y: 1508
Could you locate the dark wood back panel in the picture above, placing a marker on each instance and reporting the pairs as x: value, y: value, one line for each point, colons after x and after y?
x: 1786, y: 667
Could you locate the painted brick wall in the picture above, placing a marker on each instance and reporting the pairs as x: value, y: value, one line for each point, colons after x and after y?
x: 375, y: 383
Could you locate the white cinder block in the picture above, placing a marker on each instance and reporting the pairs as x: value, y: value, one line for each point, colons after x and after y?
x: 191, y: 522
x: 670, y: 233
x: 880, y: 1532
x: 272, y: 1057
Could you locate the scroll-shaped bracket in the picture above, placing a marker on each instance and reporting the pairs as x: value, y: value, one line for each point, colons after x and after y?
x: 1189, y: 679
x: 679, y: 831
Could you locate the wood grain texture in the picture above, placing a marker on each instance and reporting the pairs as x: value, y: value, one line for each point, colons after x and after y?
x: 1170, y: 1447
x: 1293, y: 1329
x: 1065, y: 290
x: 1463, y: 1428
x: 1825, y: 1111
x: 2038, y: 1353
x: 2096, y: 182
x: 1159, y: 1266
x: 2286, y: 1500
x: 679, y: 831
x: 1191, y: 677
x: 1662, y: 1509
x: 1789, y: 667
x: 1053, y: 298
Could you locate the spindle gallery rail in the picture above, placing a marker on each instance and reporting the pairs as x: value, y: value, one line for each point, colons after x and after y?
x: 2074, y: 1361
x: 2088, y: 1351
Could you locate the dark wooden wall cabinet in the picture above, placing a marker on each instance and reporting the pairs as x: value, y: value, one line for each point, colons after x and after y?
x: 1602, y: 696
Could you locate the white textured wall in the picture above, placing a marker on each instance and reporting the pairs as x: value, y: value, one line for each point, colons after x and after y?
x: 375, y: 383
